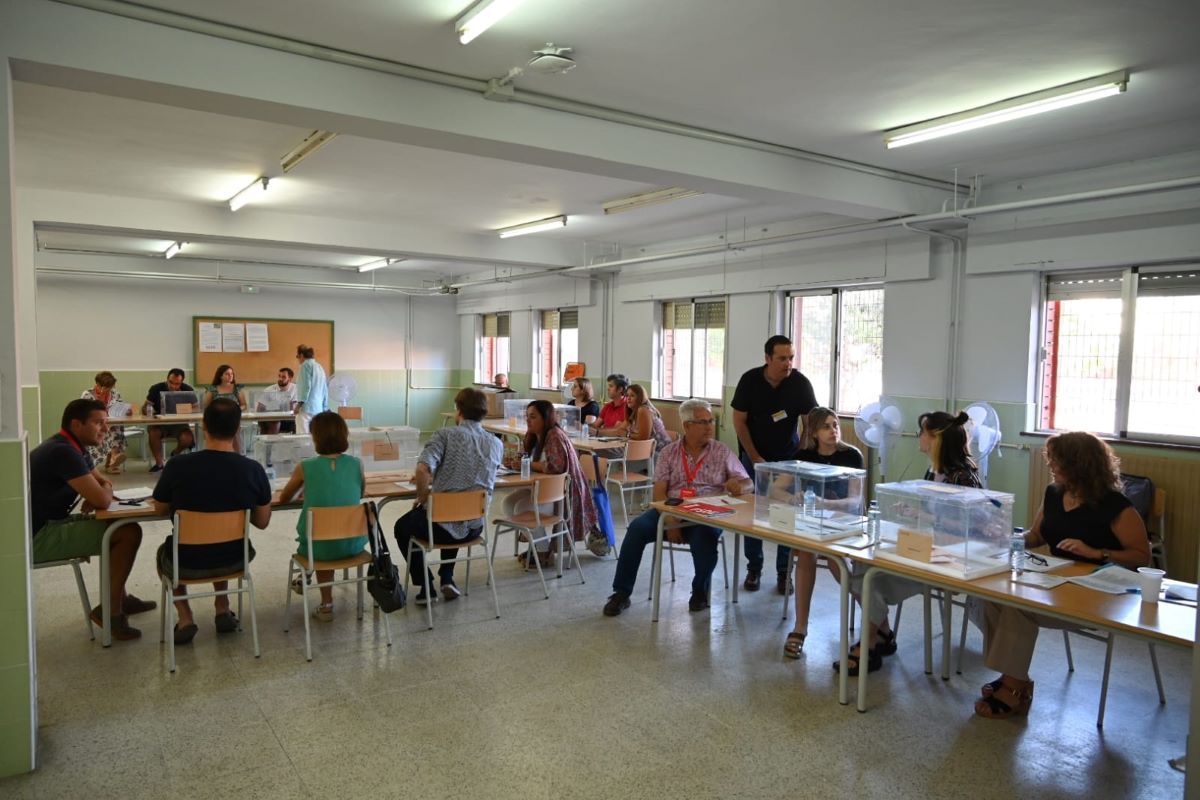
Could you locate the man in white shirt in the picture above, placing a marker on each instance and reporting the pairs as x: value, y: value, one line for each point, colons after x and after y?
x: 279, y: 397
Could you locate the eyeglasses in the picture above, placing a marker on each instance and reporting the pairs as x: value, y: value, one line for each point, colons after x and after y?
x: 1035, y: 558
x: 699, y: 422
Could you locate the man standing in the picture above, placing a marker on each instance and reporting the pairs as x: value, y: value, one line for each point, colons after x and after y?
x: 60, y: 471
x: 459, y: 459
x: 182, y: 433
x: 312, y: 389
x: 280, y: 397
x: 612, y: 414
x: 768, y: 404
x: 694, y: 466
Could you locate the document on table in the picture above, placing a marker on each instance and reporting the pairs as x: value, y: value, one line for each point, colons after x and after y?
x: 133, y: 493
x: 256, y: 337
x: 119, y: 409
x: 723, y: 500
x: 1111, y: 579
x: 1031, y: 561
x: 1040, y: 580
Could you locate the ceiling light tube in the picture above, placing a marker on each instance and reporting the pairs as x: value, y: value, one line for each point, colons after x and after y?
x: 650, y: 198
x: 1070, y: 94
x: 380, y: 264
x: 533, y: 227
x: 482, y: 16
x: 311, y: 144
x: 253, y: 192
x: 173, y: 250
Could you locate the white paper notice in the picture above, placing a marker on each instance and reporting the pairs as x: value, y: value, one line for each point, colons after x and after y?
x: 233, y: 337
x: 210, y: 337
x: 256, y: 337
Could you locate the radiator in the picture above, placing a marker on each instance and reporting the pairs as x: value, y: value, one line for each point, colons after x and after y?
x: 1179, y: 478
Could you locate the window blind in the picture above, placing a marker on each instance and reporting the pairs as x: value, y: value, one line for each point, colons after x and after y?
x: 1081, y: 285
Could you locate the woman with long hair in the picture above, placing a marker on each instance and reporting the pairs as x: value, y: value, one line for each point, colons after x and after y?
x: 224, y: 384
x: 643, y: 420
x: 1084, y: 517
x: 550, y: 452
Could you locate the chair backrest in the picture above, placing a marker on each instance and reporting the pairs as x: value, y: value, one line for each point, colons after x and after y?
x: 200, y: 528
x: 1160, y: 504
x: 350, y: 412
x: 457, y: 506
x: 1140, y: 491
x: 549, y: 488
x: 589, y: 467
x: 337, y: 522
x: 639, y: 451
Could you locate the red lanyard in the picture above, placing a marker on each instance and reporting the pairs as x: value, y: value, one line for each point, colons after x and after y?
x: 690, y: 476
x: 66, y: 434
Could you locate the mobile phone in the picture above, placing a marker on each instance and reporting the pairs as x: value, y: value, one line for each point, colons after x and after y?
x: 675, y: 501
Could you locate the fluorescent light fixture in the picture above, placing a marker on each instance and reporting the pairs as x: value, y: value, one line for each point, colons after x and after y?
x: 1026, y: 105
x: 253, y: 192
x: 533, y: 227
x: 650, y: 198
x: 173, y: 250
x: 311, y: 144
x: 380, y: 264
x: 482, y: 16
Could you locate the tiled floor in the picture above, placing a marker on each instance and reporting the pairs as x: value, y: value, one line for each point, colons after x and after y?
x: 555, y: 700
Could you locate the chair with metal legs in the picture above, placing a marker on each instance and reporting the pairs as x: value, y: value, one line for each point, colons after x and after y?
x: 533, y: 526
x: 83, y: 595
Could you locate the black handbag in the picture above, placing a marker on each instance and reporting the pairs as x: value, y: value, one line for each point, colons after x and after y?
x: 384, y: 582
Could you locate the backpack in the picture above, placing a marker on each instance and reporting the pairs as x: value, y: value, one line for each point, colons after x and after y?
x: 384, y: 583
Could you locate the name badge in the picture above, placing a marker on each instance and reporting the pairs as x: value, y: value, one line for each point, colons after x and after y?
x: 779, y: 416
x: 687, y: 492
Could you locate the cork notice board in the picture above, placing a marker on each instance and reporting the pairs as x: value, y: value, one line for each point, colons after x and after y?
x: 283, y: 335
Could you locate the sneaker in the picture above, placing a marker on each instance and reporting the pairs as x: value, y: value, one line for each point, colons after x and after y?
x: 135, y: 605
x: 784, y: 585
x: 423, y: 599
x: 450, y: 591
x: 121, y: 629
x: 298, y: 583
x: 753, y: 576
x: 323, y: 612
x: 617, y: 602
x: 698, y: 601
x: 597, y: 544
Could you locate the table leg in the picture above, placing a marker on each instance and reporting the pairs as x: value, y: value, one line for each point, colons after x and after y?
x: 844, y: 629
x: 737, y: 562
x: 106, y: 582
x: 657, y: 576
x: 947, y: 607
x: 868, y: 585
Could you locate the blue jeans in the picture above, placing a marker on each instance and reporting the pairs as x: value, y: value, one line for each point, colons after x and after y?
x: 754, y: 546
x: 643, y: 531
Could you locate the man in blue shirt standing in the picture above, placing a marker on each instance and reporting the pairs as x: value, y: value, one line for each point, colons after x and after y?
x: 312, y: 389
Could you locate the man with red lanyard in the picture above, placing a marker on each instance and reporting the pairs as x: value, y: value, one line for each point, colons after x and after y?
x: 612, y: 414
x: 694, y: 466
x: 60, y: 470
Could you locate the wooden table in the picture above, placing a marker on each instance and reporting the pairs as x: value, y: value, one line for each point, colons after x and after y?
x: 589, y: 445
x: 196, y: 418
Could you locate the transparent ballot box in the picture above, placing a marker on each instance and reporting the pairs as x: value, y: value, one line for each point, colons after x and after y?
x: 386, y: 449
x: 514, y: 412
x: 819, y: 501
x: 956, y: 531
x: 279, y: 453
x: 180, y: 403
x: 569, y: 420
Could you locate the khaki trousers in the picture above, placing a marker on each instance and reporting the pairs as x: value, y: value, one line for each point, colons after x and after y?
x: 1010, y: 636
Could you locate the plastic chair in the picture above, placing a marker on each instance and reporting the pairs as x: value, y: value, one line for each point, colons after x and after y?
x: 200, y: 528
x: 626, y: 481
x: 83, y: 595
x: 328, y: 525
x: 454, y: 507
x: 551, y: 489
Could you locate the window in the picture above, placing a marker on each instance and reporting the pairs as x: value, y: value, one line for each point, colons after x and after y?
x: 557, y: 345
x: 1121, y: 352
x: 693, y: 349
x: 838, y: 334
x: 491, y: 355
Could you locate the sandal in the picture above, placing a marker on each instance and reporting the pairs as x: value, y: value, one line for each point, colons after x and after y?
x: 854, y: 660
x: 793, y: 646
x: 323, y: 612
x: 989, y: 689
x: 185, y: 634
x: 226, y: 622
x: 1006, y: 701
x: 885, y: 645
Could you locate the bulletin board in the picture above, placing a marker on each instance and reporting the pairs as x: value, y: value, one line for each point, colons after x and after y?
x: 259, y: 366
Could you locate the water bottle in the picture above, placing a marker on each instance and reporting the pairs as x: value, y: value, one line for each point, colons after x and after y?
x: 584, y: 431
x: 810, y: 502
x: 873, y: 527
x: 1016, y: 552
x: 525, y: 462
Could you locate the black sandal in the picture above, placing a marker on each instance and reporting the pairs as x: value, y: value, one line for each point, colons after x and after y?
x: 885, y: 645
x: 874, y: 661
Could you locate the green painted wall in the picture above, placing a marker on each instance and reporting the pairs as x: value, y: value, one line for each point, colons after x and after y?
x: 31, y: 412
x: 16, y: 656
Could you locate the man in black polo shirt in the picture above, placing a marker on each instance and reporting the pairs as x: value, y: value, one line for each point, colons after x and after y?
x: 768, y: 404
x: 182, y: 433
x: 60, y: 471
x: 215, y: 479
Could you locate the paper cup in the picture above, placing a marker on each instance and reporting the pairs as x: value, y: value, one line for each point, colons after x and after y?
x: 1151, y: 583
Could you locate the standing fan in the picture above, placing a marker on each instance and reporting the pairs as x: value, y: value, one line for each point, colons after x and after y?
x: 342, y: 388
x: 984, y: 435
x: 878, y: 426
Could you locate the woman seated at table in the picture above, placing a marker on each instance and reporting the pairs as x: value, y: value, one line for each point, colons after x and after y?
x: 583, y: 396
x: 224, y: 384
x: 1085, y: 517
x: 643, y: 420
x: 551, y: 453
x: 111, y: 450
x: 821, y: 443
x: 332, y: 478
x: 944, y: 439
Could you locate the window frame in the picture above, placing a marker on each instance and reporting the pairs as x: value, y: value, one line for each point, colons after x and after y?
x: 503, y: 331
x: 557, y: 363
x: 836, y: 333
x: 659, y: 384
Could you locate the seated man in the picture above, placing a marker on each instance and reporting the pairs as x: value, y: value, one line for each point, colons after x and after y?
x: 215, y: 479
x: 60, y: 471
x: 500, y: 380
x: 694, y: 466
x: 280, y: 397
x: 182, y: 433
x: 611, y: 419
x: 458, y: 459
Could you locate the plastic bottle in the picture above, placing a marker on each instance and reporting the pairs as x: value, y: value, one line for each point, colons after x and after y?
x: 1016, y: 552
x: 810, y: 502
x: 525, y: 462
x: 584, y: 431
x: 873, y: 526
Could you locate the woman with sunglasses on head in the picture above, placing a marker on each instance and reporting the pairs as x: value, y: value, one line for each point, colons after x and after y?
x: 1084, y: 517
x: 643, y: 420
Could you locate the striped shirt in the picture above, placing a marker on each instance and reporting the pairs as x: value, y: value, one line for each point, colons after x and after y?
x: 461, y: 459
x: 717, y: 464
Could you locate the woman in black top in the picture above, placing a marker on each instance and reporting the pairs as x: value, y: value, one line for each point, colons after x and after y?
x: 581, y: 392
x: 820, y: 443
x: 1084, y: 516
